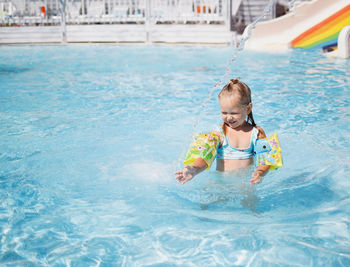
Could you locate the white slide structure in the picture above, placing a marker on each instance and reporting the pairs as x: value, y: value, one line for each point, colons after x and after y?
x: 278, y: 34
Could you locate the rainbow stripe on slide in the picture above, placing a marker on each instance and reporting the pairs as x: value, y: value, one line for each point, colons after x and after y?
x: 324, y: 34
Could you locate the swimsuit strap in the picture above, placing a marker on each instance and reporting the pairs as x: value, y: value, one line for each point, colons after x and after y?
x: 254, y: 136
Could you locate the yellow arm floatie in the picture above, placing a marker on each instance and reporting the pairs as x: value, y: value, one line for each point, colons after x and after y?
x: 203, y: 146
x: 268, y: 152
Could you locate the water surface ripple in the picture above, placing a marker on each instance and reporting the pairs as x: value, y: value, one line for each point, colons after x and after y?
x: 90, y: 137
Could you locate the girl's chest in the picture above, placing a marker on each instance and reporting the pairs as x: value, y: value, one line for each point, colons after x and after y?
x: 238, y: 140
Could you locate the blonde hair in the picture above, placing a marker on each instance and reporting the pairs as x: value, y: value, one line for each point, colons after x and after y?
x: 234, y: 88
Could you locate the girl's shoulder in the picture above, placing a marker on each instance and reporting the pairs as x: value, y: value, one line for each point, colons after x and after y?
x: 261, y: 132
x: 218, y: 130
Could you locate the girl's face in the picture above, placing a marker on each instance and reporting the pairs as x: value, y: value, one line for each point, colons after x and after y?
x: 233, y: 113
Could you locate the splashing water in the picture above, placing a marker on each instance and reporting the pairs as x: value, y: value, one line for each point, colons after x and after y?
x: 246, y: 35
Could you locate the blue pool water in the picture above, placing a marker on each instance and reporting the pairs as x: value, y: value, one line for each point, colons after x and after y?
x: 90, y: 137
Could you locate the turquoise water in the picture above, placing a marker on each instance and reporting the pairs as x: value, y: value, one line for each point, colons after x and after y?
x: 90, y: 137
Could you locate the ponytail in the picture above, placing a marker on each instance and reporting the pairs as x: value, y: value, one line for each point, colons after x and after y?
x: 251, y: 119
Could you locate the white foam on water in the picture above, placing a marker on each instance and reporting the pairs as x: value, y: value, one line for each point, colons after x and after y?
x: 149, y: 171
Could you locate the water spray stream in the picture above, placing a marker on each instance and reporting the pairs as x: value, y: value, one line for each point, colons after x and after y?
x: 246, y: 35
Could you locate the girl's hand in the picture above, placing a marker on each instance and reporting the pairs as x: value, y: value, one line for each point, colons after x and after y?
x: 256, y: 178
x: 186, y: 174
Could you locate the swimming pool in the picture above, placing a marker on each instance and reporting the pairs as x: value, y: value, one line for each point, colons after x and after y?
x: 90, y: 137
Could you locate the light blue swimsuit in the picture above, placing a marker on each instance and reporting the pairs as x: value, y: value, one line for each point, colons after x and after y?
x: 226, y: 151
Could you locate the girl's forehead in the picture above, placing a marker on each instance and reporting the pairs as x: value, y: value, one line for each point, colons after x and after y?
x: 230, y: 101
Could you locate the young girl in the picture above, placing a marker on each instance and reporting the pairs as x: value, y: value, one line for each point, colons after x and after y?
x: 237, y: 134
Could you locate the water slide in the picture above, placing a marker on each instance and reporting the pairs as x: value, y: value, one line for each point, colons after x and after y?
x: 312, y: 24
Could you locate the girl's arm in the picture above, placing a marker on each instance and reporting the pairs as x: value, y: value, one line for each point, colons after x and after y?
x: 261, y: 170
x: 197, y: 167
x: 189, y: 172
x: 259, y: 173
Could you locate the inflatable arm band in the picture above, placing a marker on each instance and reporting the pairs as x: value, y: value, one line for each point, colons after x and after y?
x: 203, y: 146
x: 267, y: 151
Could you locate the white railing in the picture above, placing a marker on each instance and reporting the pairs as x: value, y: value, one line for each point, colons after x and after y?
x: 29, y: 12
x: 49, y: 12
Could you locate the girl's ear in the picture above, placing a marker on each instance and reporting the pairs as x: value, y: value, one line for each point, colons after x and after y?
x: 249, y: 107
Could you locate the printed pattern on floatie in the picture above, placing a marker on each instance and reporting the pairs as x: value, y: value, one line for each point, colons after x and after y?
x: 203, y: 146
x: 268, y: 152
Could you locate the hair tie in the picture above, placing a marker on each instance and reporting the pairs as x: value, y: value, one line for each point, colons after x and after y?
x: 234, y: 81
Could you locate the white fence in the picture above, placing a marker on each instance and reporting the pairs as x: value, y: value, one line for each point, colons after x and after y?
x: 55, y: 12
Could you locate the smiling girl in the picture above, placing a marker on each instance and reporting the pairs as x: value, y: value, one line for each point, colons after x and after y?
x: 237, y: 135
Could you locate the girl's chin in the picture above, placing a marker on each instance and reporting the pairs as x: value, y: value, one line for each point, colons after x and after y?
x: 234, y: 125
